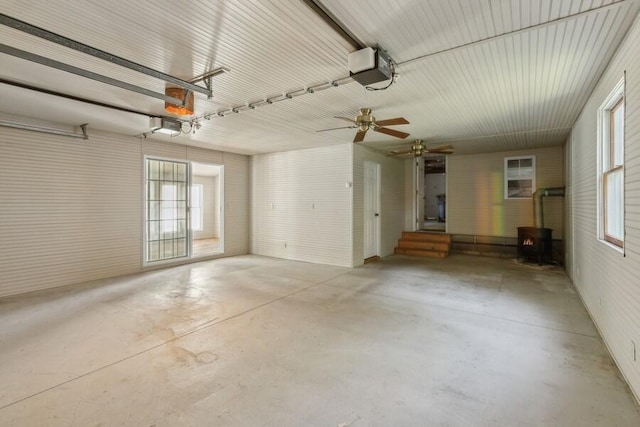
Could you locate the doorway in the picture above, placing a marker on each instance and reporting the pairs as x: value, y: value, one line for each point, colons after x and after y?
x: 371, y: 209
x: 183, y: 210
x: 435, y: 194
x: 206, y: 209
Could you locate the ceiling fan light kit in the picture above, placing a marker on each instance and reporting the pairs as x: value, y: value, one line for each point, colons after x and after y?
x: 418, y: 149
x: 365, y: 121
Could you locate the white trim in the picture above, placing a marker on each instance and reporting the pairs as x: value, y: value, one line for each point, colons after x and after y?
x: 221, y: 214
x: 376, y: 169
x: 506, y: 179
x: 200, y: 192
x: 603, y: 127
x: 146, y: 263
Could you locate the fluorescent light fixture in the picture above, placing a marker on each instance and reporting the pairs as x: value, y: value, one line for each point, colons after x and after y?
x: 36, y: 128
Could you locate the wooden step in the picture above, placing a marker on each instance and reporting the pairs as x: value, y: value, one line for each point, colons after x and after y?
x: 426, y: 237
x: 421, y: 252
x: 424, y: 245
x: 431, y: 245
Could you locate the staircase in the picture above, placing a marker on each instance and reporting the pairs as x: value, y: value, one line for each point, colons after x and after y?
x: 432, y: 245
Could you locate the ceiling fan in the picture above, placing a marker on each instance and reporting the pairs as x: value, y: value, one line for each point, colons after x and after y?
x: 419, y: 149
x: 365, y: 121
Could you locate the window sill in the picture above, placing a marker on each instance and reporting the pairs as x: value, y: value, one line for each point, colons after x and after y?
x: 612, y: 246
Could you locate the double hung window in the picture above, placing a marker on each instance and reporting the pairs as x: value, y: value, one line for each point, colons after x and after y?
x: 611, y: 167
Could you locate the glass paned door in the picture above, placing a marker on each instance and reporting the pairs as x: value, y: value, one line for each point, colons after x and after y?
x: 166, y: 210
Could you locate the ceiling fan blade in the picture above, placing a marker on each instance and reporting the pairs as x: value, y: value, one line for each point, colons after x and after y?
x: 440, y: 147
x: 391, y: 122
x: 342, y: 127
x: 439, y: 151
x: 360, y: 136
x: 399, y: 153
x: 345, y: 118
x: 391, y: 132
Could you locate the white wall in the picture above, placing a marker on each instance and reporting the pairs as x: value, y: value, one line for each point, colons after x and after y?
x: 392, y: 201
x: 71, y: 210
x: 209, y: 212
x: 410, y: 189
x: 608, y: 282
x: 475, y: 194
x: 302, y: 205
x: 308, y: 204
x: 215, y: 211
x: 237, y: 203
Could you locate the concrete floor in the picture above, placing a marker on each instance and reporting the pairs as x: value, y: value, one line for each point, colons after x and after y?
x: 253, y: 341
x: 205, y: 247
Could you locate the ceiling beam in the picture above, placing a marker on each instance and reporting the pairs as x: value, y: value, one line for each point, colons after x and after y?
x: 334, y: 23
x: 19, y: 53
x: 81, y: 47
x: 74, y: 98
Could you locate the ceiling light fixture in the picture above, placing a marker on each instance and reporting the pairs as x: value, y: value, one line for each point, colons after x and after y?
x: 186, y: 109
x: 36, y: 128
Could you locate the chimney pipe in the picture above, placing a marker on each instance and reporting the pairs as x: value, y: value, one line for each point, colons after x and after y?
x: 538, y: 214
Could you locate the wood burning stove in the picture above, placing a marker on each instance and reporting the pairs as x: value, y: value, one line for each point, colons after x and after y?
x: 535, y: 243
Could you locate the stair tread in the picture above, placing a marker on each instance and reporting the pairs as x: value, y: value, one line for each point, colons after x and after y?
x: 419, y: 244
x: 425, y: 244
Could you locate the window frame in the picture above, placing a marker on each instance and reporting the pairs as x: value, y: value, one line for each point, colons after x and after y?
x: 507, y: 179
x: 607, y: 165
x: 169, y: 233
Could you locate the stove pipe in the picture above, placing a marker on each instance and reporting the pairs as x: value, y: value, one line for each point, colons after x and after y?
x: 538, y: 214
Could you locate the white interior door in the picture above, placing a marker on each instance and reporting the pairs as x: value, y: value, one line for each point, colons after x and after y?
x: 371, y: 209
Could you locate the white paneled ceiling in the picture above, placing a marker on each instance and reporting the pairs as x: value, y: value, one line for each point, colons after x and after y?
x: 481, y: 75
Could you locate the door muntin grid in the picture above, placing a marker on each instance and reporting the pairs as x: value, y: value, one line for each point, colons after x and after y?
x: 166, y: 210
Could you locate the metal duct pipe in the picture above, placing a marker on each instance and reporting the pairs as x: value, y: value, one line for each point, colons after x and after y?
x: 538, y: 214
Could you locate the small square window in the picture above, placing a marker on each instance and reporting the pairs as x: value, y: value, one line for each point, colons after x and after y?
x: 519, y: 177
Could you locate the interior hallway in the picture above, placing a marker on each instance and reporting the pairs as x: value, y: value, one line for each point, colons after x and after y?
x: 249, y: 341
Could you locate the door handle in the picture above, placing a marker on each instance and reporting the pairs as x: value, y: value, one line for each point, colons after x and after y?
x: 377, y: 214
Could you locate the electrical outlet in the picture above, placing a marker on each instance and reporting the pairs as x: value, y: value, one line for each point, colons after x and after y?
x: 633, y: 344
